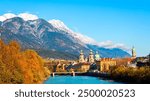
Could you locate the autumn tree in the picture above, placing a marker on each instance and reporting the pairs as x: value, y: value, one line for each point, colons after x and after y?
x: 18, y: 66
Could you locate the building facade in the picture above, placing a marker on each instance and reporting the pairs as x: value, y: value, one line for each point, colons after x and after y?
x: 81, y: 57
x: 97, y: 56
x: 91, y: 57
x: 105, y: 64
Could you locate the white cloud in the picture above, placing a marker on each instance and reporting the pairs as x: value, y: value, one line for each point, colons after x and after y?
x: 25, y: 16
x: 110, y: 44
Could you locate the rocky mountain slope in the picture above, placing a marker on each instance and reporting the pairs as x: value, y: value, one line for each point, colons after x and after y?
x: 50, y: 37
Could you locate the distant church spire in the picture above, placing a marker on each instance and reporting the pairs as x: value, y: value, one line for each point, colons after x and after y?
x: 81, y: 57
x: 148, y: 56
x: 133, y: 52
x: 91, y: 57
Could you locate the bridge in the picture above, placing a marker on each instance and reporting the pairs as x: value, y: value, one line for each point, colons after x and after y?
x: 67, y: 73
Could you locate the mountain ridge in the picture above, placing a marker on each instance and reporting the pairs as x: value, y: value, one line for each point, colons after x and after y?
x: 40, y: 34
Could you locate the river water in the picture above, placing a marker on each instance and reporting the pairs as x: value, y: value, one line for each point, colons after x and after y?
x: 78, y: 80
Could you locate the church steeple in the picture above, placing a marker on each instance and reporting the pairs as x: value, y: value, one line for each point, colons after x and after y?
x: 81, y: 57
x: 133, y: 52
x: 97, y: 56
x: 91, y: 57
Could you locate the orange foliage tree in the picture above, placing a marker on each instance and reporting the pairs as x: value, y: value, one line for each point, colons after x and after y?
x: 18, y: 66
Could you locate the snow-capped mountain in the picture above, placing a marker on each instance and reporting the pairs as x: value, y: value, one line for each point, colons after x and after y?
x: 52, y: 35
x: 62, y: 27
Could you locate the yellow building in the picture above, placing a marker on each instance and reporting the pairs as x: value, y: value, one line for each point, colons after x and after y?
x: 83, y: 67
x: 91, y: 57
x: 104, y: 64
x: 81, y: 57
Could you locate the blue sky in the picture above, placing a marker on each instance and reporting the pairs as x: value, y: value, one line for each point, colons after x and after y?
x: 121, y: 21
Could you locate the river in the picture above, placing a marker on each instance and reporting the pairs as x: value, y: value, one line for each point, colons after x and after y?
x: 78, y: 80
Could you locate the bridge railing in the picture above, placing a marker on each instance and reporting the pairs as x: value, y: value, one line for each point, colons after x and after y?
x: 65, y: 73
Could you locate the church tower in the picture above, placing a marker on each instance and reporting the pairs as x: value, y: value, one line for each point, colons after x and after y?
x: 91, y: 57
x: 133, y: 53
x: 149, y: 58
x: 97, y: 56
x: 81, y: 57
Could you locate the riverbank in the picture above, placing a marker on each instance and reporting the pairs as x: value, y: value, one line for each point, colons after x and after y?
x: 131, y: 75
x: 127, y: 77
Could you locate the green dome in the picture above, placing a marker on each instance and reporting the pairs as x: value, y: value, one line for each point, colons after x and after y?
x: 97, y: 56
